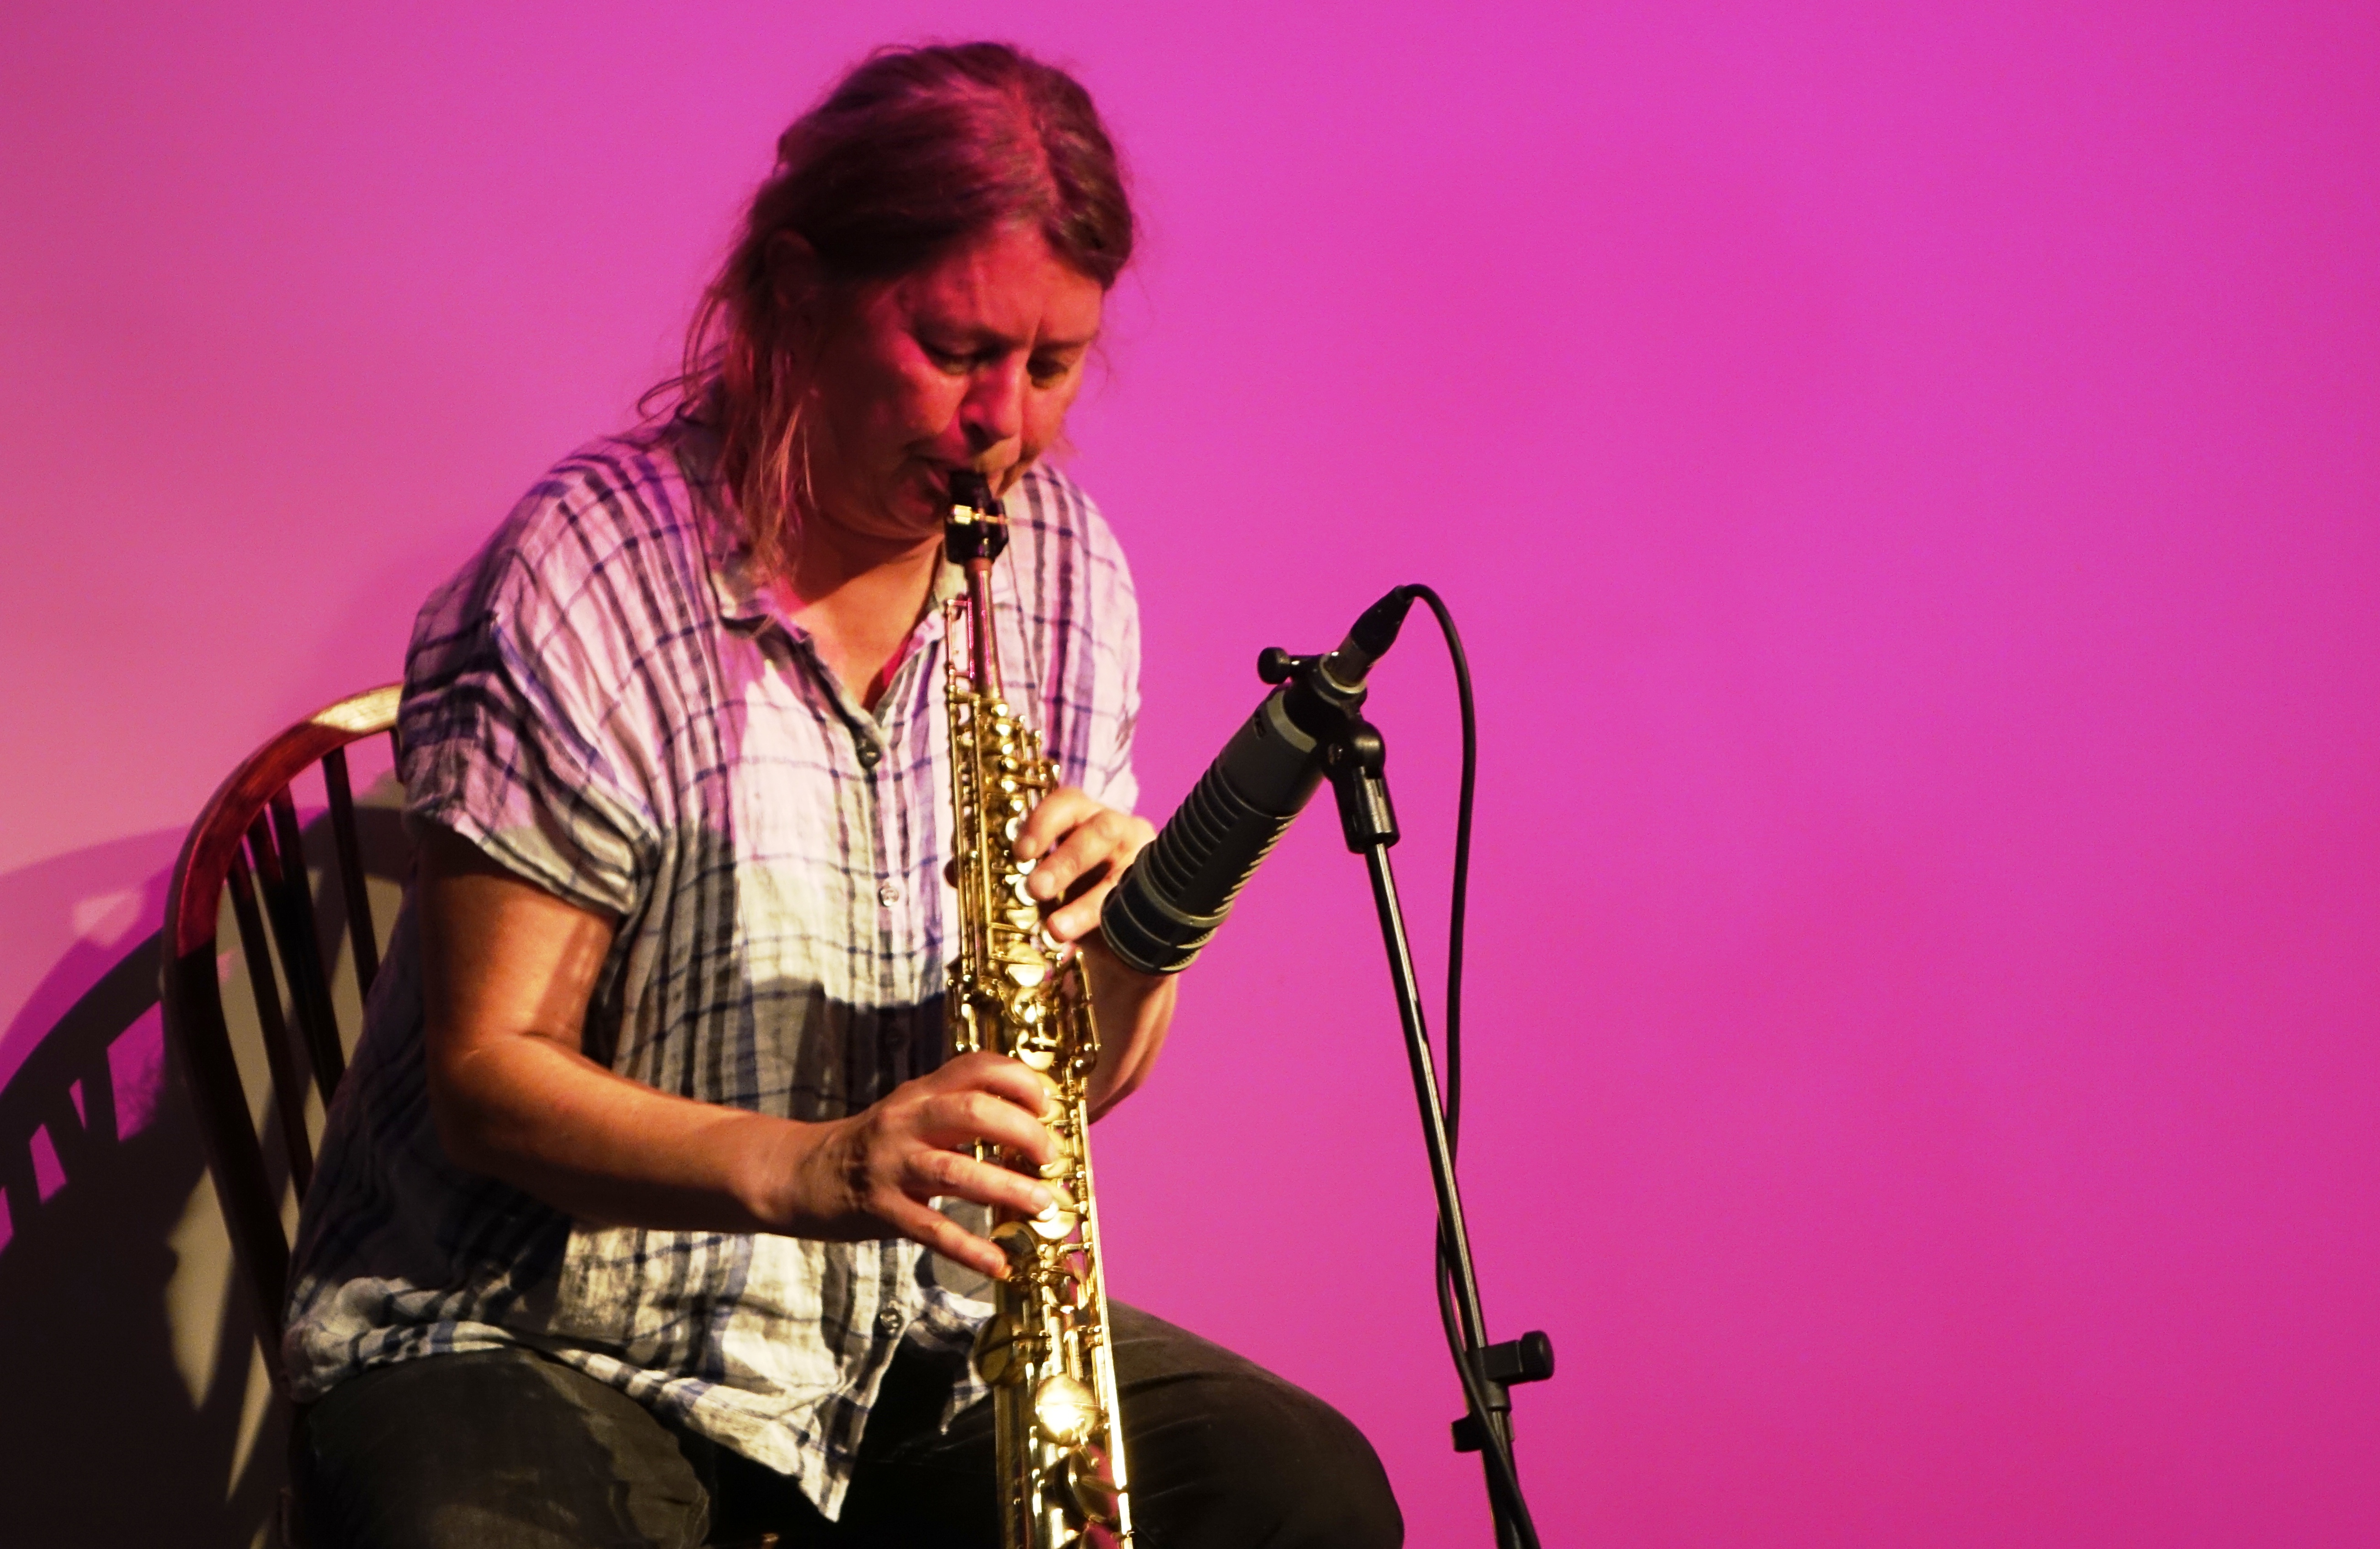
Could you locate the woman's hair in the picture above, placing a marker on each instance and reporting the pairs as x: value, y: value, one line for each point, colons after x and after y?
x: 914, y: 152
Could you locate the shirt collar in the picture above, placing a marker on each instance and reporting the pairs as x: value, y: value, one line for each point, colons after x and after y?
x: 746, y: 602
x: 743, y: 594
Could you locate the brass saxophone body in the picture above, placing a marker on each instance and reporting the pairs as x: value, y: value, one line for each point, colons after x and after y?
x: 1044, y: 1352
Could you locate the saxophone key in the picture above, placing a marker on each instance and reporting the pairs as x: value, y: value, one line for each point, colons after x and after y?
x: 1055, y: 1223
x: 1022, y: 1243
x: 1093, y: 1496
x: 997, y: 1359
x: 1067, y: 1285
x: 1065, y: 1409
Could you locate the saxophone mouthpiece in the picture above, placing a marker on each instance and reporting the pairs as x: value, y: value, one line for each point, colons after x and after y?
x: 977, y: 527
x: 973, y: 491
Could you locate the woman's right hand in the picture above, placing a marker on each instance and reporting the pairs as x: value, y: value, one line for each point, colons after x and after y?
x: 507, y: 969
x: 871, y: 1175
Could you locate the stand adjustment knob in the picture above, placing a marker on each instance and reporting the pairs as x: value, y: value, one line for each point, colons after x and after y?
x: 1529, y: 1359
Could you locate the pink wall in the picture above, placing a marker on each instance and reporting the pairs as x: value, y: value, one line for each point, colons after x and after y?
x: 1908, y: 478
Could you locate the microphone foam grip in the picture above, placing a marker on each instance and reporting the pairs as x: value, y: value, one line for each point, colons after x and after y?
x: 1179, y: 889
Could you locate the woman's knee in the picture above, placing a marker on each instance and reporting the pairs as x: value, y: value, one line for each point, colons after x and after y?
x: 498, y: 1447
x: 1309, y: 1476
x: 1223, y: 1452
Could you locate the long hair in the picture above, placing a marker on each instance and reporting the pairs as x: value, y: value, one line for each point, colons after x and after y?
x: 914, y: 152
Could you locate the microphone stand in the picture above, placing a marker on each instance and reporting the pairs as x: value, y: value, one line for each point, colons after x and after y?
x: 1179, y: 888
x: 1353, y: 759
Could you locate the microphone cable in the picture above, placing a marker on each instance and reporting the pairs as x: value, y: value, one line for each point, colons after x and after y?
x: 1493, y: 1445
x: 1455, y: 907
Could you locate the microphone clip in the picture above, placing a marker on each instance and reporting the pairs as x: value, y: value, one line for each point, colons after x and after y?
x: 1350, y: 747
x: 1311, y: 695
x: 1355, y: 763
x: 1277, y: 667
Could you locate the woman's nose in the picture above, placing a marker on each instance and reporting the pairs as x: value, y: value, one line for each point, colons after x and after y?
x: 994, y: 410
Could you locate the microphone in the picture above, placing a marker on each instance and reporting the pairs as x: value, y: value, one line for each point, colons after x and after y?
x: 1177, y: 891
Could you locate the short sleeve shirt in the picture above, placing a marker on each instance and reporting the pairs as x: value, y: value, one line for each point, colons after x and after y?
x: 608, y: 704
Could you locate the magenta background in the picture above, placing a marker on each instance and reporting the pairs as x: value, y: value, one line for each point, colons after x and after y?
x: 1907, y: 480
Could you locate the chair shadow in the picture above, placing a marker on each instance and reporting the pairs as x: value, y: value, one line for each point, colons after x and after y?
x: 139, y: 1409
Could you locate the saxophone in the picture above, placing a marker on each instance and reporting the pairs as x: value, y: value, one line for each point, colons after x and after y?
x: 1044, y: 1352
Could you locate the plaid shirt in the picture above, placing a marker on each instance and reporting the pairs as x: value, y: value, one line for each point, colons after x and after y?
x: 608, y: 704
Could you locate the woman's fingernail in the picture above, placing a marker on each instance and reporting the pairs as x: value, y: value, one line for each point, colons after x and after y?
x: 1044, y: 1201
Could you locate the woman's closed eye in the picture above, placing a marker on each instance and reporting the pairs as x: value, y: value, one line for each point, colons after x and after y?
x: 949, y: 358
x: 1050, y: 369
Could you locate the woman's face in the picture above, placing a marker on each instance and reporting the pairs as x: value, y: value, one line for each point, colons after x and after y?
x: 970, y: 362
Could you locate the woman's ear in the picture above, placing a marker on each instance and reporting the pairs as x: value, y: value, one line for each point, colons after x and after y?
x: 797, y: 280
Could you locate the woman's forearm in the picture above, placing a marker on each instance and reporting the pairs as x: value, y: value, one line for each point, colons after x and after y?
x: 549, y: 1120
x: 507, y: 971
x: 1133, y: 1011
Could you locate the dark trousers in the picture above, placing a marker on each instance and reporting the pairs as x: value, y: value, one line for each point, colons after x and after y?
x: 505, y: 1450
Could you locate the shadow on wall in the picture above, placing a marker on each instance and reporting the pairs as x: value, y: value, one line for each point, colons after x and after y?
x: 138, y: 1409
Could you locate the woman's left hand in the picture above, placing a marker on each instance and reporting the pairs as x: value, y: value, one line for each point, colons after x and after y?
x: 1080, y: 849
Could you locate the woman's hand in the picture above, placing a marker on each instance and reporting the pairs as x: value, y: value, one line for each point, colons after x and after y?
x: 871, y: 1175
x: 1080, y: 849
x: 508, y: 970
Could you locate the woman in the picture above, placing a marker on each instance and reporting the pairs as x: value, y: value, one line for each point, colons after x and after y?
x: 621, y: 1232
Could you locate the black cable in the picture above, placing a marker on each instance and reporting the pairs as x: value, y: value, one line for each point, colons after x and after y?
x: 1455, y: 908
x: 1494, y: 1447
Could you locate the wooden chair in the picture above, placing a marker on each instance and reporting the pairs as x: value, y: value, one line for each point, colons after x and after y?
x: 247, y: 838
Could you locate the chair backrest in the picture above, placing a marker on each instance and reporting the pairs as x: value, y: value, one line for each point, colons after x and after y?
x: 249, y: 839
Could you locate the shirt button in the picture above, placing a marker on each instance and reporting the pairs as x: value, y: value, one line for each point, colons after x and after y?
x: 889, y: 1323
x: 889, y: 895
x: 868, y: 754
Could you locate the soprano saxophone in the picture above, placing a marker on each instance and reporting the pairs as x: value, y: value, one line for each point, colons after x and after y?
x: 1044, y: 1352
